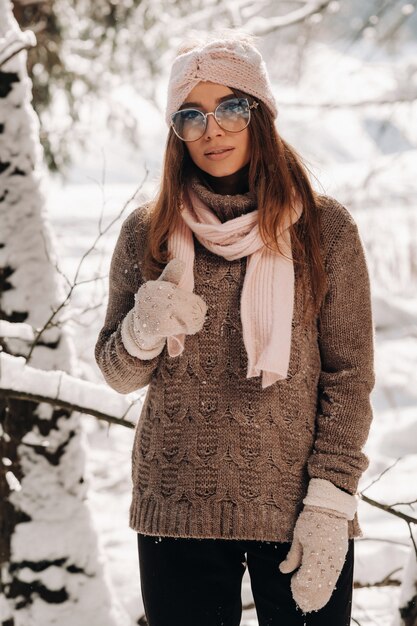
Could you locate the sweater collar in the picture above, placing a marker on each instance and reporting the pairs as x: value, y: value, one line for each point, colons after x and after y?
x: 226, y: 207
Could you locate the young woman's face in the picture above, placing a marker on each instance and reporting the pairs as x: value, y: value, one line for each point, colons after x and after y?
x: 206, y: 96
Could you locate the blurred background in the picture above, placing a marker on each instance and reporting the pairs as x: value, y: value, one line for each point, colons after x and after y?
x: 344, y: 75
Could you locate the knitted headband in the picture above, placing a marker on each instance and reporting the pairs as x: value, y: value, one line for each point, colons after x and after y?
x: 225, y: 61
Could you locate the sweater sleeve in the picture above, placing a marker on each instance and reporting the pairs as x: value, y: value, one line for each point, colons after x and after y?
x: 121, y: 370
x: 346, y: 342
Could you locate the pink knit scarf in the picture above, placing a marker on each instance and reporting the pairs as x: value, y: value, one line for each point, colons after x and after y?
x: 267, y: 298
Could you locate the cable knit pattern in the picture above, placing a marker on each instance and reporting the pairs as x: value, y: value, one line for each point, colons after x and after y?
x: 214, y: 454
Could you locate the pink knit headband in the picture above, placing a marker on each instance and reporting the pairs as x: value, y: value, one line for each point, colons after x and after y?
x: 225, y: 61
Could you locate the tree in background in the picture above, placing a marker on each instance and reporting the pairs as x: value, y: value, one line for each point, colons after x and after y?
x: 50, y: 567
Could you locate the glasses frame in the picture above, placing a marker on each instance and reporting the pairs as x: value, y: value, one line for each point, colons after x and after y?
x: 254, y: 105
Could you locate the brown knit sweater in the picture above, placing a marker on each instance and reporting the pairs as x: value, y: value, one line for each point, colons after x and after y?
x: 214, y: 454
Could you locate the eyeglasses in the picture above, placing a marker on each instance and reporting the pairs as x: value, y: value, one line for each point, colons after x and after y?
x: 232, y: 115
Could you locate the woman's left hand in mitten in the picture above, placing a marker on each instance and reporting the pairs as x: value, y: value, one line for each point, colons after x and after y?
x: 320, y: 544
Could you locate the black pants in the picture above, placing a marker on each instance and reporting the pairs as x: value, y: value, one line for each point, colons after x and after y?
x: 197, y: 582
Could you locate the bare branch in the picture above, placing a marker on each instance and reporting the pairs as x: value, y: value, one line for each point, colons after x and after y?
x: 388, y: 509
x: 55, y: 265
x: 381, y: 474
x: 91, y: 280
x: 404, y: 503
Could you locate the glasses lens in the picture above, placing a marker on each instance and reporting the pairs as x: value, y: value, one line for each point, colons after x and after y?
x: 233, y: 114
x: 189, y: 124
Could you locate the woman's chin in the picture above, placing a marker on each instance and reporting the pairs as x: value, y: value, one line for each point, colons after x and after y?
x: 219, y: 170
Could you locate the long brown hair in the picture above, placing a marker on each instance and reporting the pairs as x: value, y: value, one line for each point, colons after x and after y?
x: 275, y: 170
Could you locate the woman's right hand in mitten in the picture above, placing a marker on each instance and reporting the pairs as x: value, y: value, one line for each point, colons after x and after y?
x: 163, y: 309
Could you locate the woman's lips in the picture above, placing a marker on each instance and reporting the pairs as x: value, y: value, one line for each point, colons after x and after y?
x: 220, y: 155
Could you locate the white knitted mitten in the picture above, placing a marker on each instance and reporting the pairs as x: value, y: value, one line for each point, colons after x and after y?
x: 320, y: 544
x: 162, y: 309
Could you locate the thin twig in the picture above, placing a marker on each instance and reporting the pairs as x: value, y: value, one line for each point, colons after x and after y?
x: 388, y: 509
x: 404, y: 503
x: 381, y: 474
x: 412, y: 539
x: 75, y: 282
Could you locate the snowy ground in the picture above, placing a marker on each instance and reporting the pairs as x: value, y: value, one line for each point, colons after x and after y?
x: 366, y: 158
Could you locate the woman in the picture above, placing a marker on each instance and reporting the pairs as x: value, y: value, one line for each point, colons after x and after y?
x: 242, y: 297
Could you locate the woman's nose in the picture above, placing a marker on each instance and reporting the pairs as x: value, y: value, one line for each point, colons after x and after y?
x: 213, y: 127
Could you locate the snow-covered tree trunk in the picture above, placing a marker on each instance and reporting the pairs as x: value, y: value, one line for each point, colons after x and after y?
x: 51, y: 569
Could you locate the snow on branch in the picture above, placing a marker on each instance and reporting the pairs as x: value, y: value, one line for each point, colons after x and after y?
x: 14, y: 42
x: 264, y: 25
x: 21, y: 381
x: 16, y: 330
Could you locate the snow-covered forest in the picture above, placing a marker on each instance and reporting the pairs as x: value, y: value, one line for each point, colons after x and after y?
x: 82, y: 135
